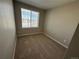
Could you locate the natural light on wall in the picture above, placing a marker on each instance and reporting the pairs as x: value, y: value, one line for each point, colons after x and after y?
x: 30, y: 19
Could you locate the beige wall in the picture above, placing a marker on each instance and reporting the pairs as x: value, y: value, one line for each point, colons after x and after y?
x: 7, y: 29
x: 62, y: 21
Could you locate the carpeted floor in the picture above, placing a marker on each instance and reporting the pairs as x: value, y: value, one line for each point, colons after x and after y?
x: 38, y: 47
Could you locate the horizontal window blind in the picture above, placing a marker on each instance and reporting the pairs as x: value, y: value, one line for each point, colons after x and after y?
x: 30, y: 19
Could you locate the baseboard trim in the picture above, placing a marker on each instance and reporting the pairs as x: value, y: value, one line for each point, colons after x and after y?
x: 45, y: 35
x: 29, y: 34
x: 55, y: 40
x: 14, y: 48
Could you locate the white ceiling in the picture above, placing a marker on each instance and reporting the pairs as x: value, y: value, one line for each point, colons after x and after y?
x: 46, y: 4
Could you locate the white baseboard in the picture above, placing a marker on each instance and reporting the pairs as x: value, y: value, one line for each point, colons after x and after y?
x: 47, y: 36
x: 55, y: 40
x: 29, y: 34
x: 14, y: 48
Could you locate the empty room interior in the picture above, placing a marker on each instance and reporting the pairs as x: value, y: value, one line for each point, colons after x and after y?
x: 39, y: 29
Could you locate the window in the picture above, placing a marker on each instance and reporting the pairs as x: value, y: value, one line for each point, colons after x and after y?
x: 30, y: 19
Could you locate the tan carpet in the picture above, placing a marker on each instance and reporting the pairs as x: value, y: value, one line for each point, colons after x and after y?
x: 38, y: 47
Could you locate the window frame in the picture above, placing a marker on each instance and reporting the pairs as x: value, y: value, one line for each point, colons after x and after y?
x: 30, y: 19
